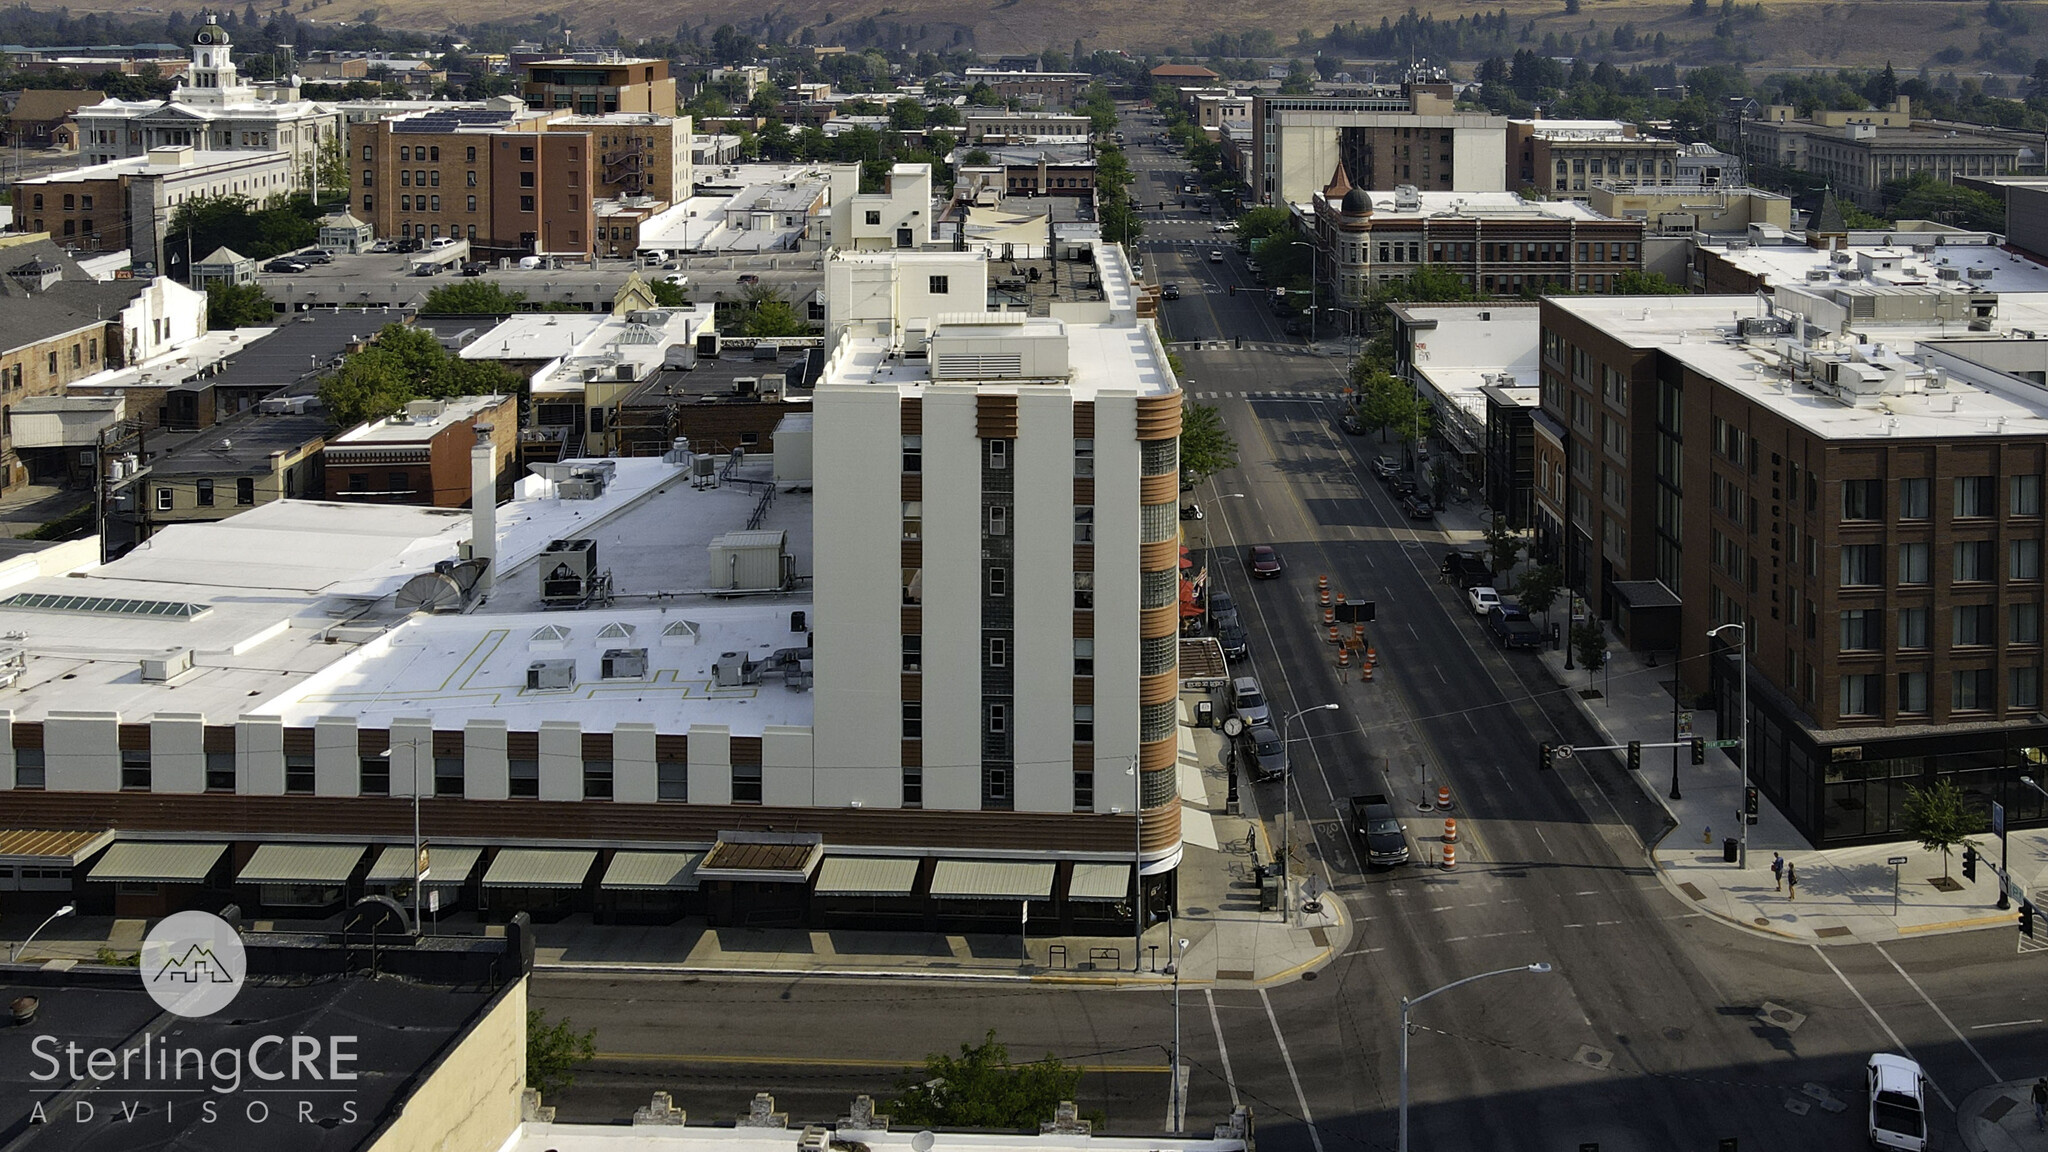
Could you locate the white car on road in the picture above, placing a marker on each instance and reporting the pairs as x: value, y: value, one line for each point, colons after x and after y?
x: 1898, y: 1103
x: 1482, y: 600
x: 1215, y: 256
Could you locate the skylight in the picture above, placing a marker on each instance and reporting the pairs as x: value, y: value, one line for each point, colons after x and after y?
x: 106, y: 606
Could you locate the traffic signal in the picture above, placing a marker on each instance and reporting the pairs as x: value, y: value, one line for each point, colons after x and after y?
x: 1635, y: 755
x: 1699, y: 750
x: 1233, y: 289
x: 1970, y: 862
x: 1750, y: 804
x: 1280, y: 295
x: 1543, y: 758
x: 2027, y: 919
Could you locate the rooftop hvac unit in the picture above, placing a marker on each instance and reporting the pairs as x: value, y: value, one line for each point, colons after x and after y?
x: 551, y: 675
x: 579, y: 488
x: 566, y: 570
x: 732, y: 669
x: 623, y: 372
x: 1950, y: 274
x: 159, y: 669
x: 1762, y: 326
x: 707, y: 345
x: 746, y: 385
x: 13, y: 665
x: 446, y: 589
x: 625, y: 664
x: 1981, y: 274
x: 1851, y: 273
x: 1817, y: 275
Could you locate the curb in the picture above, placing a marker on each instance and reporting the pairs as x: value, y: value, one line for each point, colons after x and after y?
x: 1959, y: 925
x: 627, y: 968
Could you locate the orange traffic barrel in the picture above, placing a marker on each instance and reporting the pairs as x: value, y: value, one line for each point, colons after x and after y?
x: 1443, y: 798
x: 1343, y: 657
x: 1329, y: 615
x: 1450, y: 856
x: 1323, y: 594
x: 1333, y: 633
x: 1450, y: 830
x: 1365, y: 672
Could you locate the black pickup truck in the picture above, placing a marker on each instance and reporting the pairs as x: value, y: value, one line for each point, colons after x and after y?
x: 1513, y: 628
x: 1372, y: 821
x: 1465, y: 571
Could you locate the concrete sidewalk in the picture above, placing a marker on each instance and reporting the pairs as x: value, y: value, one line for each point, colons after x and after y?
x: 2000, y: 1118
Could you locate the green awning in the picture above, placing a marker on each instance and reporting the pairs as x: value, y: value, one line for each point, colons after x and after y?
x: 992, y: 880
x: 539, y: 868
x: 645, y: 870
x: 145, y: 862
x: 866, y: 876
x: 1099, y: 882
x: 302, y: 864
x: 448, y: 864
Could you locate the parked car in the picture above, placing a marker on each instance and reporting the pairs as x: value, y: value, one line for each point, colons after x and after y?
x: 1222, y: 609
x: 749, y: 278
x: 1249, y: 702
x: 314, y: 256
x: 429, y: 268
x: 1385, y: 467
x: 1170, y: 292
x: 1236, y: 641
x: 676, y: 278
x: 1482, y: 600
x: 408, y: 244
x: 1350, y: 422
x: 1215, y: 255
x: 1263, y: 562
x: 381, y: 246
x: 1268, y: 752
x: 476, y: 267
x: 440, y: 242
x: 1418, y: 506
x: 1898, y: 1103
x: 1401, y: 486
x: 284, y: 264
x: 1512, y: 627
x: 1465, y: 569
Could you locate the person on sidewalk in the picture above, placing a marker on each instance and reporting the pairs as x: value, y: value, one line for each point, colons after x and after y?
x: 2041, y: 1104
x: 1777, y: 872
x: 1791, y: 882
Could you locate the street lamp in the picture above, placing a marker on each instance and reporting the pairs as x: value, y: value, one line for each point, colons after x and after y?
x: 1742, y: 814
x: 1176, y: 1105
x: 419, y: 870
x: 1407, y: 1004
x: 1137, y: 861
x: 1311, y: 285
x: 68, y: 909
x: 1287, y: 805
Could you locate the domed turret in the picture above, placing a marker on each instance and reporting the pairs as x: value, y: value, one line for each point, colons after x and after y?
x: 1357, y: 202
x: 210, y: 33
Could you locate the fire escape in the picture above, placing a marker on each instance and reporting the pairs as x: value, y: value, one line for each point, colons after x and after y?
x: 625, y: 168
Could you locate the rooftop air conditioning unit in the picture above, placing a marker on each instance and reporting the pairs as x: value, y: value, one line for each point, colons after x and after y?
x: 551, y: 675
x: 746, y: 385
x: 731, y: 670
x: 1951, y: 274
x: 1981, y: 274
x: 566, y: 569
x: 579, y: 488
x: 160, y: 669
x: 1817, y: 275
x: 625, y: 664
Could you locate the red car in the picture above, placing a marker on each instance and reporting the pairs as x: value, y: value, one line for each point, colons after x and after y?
x: 1264, y: 562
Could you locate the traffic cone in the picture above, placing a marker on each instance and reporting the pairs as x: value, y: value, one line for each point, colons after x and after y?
x: 1450, y: 857
x: 1333, y: 633
x: 1343, y: 657
x: 1365, y: 672
x: 1443, y: 798
x: 1329, y: 615
x: 1450, y: 830
x: 1323, y: 595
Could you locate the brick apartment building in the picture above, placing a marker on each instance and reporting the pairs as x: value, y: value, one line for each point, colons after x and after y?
x: 421, y: 455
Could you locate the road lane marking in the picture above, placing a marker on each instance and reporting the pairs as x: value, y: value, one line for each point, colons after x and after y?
x: 1853, y: 991
x: 1222, y: 1053
x: 825, y: 1061
x: 1301, y: 1098
x: 1383, y: 948
x: 1539, y: 837
x: 2004, y: 1024
x: 1588, y: 892
x: 1575, y: 925
x: 1995, y: 1077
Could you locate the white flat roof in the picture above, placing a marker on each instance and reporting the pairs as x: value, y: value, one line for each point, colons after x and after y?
x: 202, y: 165
x: 534, y: 336
x: 399, y: 430
x: 1788, y: 263
x: 1464, y: 353
x: 181, y: 363
x: 1486, y: 205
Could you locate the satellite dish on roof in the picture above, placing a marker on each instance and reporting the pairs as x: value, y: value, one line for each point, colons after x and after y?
x: 923, y: 1141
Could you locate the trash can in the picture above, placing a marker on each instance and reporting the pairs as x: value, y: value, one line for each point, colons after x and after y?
x: 1205, y: 714
x: 1730, y: 849
x: 1269, y: 888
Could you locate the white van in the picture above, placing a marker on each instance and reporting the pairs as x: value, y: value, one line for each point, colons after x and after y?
x: 1898, y: 1103
x: 529, y: 263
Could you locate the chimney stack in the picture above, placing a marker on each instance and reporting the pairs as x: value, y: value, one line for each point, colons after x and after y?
x: 483, y: 508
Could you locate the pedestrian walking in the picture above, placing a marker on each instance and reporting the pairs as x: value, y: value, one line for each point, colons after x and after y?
x: 1777, y: 872
x: 1791, y: 882
x: 2041, y: 1104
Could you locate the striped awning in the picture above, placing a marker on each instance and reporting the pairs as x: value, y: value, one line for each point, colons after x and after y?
x: 46, y: 848
x: 653, y: 870
x: 302, y: 864
x: 149, y: 862
x: 992, y: 880
x: 446, y: 864
x: 539, y: 868
x: 866, y: 876
x: 1099, y: 882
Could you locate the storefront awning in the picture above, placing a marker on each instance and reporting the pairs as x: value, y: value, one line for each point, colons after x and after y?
x: 866, y: 876
x: 646, y: 870
x: 763, y: 857
x: 47, y: 848
x: 539, y: 868
x: 992, y: 880
x: 302, y: 864
x: 1099, y: 882
x: 144, y: 862
x: 445, y: 865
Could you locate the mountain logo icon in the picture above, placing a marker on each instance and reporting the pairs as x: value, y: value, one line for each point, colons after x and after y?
x: 193, y: 964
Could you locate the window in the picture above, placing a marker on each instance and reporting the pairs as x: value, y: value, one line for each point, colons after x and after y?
x: 366, y: 152
x: 405, y: 154
x: 1084, y: 724
x: 1084, y: 591
x: 998, y: 520
x: 1862, y: 500
x: 471, y: 157
x: 998, y: 652
x: 1973, y: 624
x: 1912, y: 627
x: 913, y: 653
x: 672, y: 781
x: 373, y: 775
x: 913, y: 720
x: 397, y: 482
x: 405, y: 177
x: 1973, y: 561
x: 998, y: 455
x: 1084, y: 790
x: 1084, y: 524
x: 205, y: 493
x: 746, y: 783
x: 939, y: 285
x: 469, y: 180
x: 135, y: 774
x: 245, y: 490
x: 220, y: 771
x: 2023, y: 624
x: 449, y: 771
x: 526, y: 203
x: 1973, y: 496
x: 2026, y: 560
x: 2025, y: 496
x: 913, y: 453
x: 1859, y: 565
x: 597, y: 779
x: 526, y: 179
x: 526, y: 155
x: 434, y: 179
x: 298, y: 773
x: 434, y: 203
x: 1860, y: 695
x: 1913, y: 567
x: 874, y: 219
x: 913, y: 786
x: 998, y: 719
x: 434, y: 154
x: 522, y: 778
x: 1860, y: 630
x: 369, y: 178
x: 163, y: 499
x: 1912, y: 691
x: 28, y: 768
x: 2023, y: 688
x: 1084, y: 457
x: 1084, y: 656
x: 1971, y: 691
x: 998, y: 583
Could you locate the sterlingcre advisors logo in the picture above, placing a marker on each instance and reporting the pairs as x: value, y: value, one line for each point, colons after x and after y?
x: 193, y: 964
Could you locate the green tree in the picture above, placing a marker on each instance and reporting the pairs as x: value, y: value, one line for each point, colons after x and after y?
x: 1262, y: 222
x: 238, y: 306
x: 1937, y: 817
x: 553, y: 1052
x: 1589, y: 643
x: 366, y: 387
x: 1634, y: 283
x: 331, y: 170
x: 1503, y: 544
x: 1922, y: 197
x: 1538, y: 587
x: 669, y: 295
x: 1386, y: 402
x: 1206, y: 447
x: 467, y: 296
x: 981, y: 1088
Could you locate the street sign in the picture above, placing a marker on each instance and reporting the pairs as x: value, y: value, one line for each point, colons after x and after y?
x: 1898, y: 860
x: 2013, y: 889
x: 1998, y: 819
x: 1684, y: 724
x: 1724, y: 743
x: 1564, y: 752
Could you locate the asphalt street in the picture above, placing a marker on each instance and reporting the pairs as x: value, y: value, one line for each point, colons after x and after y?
x: 1659, y: 1028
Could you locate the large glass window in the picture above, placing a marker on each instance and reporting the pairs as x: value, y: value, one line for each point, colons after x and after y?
x: 1860, y: 695
x: 1974, y: 496
x: 1860, y: 630
x: 1972, y: 690
x: 1912, y: 627
x: 2023, y: 687
x: 523, y: 778
x: 2023, y: 624
x: 672, y: 781
x: 2025, y: 496
x: 1912, y: 691
x: 1973, y: 624
x: 1859, y: 565
x: 1913, y: 498
x: 1862, y: 499
x: 2025, y: 561
x: 1913, y: 562
x: 1974, y: 561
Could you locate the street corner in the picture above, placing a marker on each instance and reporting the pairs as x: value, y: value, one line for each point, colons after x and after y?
x: 1998, y: 1118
